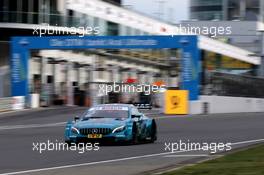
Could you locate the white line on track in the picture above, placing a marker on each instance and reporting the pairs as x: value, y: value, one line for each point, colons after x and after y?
x: 55, y: 124
x: 188, y: 155
x: 117, y: 160
x: 63, y: 123
x: 27, y: 109
x: 92, y: 163
x: 249, y: 141
x: 32, y: 126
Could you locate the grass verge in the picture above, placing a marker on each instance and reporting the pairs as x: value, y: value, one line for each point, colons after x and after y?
x: 246, y: 162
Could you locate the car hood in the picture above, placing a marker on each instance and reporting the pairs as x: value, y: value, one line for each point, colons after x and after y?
x: 100, y: 123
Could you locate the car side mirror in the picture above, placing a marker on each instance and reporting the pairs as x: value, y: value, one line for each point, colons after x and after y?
x: 76, y: 118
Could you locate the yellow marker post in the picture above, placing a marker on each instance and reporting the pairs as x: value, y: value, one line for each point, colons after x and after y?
x: 176, y: 102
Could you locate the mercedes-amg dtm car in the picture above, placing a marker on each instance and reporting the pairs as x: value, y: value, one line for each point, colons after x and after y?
x: 111, y: 122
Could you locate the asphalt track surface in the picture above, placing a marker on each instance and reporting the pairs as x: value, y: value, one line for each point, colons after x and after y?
x: 18, y: 132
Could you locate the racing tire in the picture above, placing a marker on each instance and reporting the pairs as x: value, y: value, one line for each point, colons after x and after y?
x: 134, y: 140
x: 153, y: 136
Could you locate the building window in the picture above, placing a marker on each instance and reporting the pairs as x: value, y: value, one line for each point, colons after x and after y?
x: 112, y: 29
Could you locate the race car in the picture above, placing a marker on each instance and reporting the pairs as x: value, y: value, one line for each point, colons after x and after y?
x: 113, y: 123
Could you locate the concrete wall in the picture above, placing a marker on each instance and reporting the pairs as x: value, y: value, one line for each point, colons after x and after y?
x: 224, y: 104
x: 196, y: 107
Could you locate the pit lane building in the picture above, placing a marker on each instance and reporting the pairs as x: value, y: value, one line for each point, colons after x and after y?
x: 50, y: 67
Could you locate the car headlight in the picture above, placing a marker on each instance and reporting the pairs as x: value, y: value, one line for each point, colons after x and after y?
x: 75, y: 130
x: 119, y: 129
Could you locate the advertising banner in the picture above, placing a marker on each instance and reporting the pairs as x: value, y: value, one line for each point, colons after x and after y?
x: 176, y: 102
x: 190, y: 61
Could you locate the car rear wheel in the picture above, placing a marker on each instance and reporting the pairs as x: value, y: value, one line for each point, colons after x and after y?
x: 153, y: 136
x: 134, y: 135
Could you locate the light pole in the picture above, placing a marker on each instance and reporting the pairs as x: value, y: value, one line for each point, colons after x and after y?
x: 261, y: 31
x: 261, y: 73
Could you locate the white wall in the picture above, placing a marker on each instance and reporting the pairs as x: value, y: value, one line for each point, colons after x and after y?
x: 196, y: 107
x: 224, y: 104
x: 221, y: 104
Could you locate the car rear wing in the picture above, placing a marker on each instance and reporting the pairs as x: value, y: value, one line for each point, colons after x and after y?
x: 143, y: 105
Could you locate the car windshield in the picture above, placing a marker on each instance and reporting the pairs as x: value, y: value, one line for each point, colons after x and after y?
x: 116, y: 112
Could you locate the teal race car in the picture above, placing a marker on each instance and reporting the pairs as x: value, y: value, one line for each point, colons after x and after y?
x: 111, y: 123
